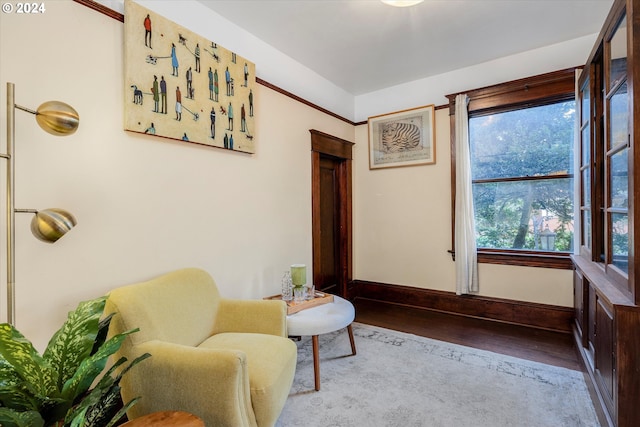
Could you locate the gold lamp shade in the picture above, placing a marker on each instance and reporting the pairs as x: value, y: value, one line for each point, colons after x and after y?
x: 57, y: 118
x: 51, y: 224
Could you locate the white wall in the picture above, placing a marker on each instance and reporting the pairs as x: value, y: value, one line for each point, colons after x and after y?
x: 410, y: 209
x: 402, y: 231
x: 144, y: 205
x: 402, y: 218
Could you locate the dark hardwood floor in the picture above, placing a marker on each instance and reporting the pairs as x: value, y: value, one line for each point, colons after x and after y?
x: 553, y: 348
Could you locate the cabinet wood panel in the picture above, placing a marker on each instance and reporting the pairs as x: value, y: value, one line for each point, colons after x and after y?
x: 578, y: 303
x: 604, y: 352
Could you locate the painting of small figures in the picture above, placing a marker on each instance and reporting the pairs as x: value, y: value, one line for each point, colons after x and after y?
x: 403, y: 138
x: 181, y: 86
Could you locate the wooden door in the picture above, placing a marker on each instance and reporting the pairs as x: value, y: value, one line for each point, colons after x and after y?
x: 331, y: 217
x: 327, y: 269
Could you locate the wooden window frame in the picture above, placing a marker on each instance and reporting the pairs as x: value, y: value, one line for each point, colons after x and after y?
x: 523, y: 93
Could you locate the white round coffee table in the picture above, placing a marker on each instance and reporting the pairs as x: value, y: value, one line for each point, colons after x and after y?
x: 322, y: 319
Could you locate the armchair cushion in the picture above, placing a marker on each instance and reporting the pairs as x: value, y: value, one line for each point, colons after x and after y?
x: 227, y: 361
x: 252, y: 316
x: 268, y: 382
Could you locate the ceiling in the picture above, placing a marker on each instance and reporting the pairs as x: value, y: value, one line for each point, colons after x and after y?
x: 364, y: 45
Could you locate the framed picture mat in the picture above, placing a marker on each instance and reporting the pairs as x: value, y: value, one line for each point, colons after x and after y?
x: 402, y: 138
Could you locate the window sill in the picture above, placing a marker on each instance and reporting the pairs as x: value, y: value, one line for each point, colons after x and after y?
x: 526, y: 259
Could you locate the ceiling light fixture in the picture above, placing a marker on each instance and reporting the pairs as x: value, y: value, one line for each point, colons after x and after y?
x: 402, y: 3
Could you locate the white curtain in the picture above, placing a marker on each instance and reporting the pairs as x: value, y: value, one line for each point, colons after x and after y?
x: 465, y: 233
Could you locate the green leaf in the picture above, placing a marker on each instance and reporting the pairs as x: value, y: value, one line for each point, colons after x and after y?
x: 18, y: 397
x: 74, y: 341
x: 102, y: 411
x: 104, y: 400
x: 116, y: 379
x: 52, y: 389
x: 78, y: 420
x: 12, y: 418
x: 121, y: 413
x: 92, y: 366
x: 8, y: 375
x: 13, y: 393
x: 103, y: 332
x: 33, y: 369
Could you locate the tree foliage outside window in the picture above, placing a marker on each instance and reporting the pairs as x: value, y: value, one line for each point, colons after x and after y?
x: 522, y: 172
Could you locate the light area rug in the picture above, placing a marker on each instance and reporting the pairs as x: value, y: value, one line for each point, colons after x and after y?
x: 399, y: 379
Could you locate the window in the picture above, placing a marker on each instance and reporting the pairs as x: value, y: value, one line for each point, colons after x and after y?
x: 521, y: 137
x: 521, y: 165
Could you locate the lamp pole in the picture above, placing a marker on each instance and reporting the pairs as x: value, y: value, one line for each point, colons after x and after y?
x: 56, y: 118
x: 11, y: 242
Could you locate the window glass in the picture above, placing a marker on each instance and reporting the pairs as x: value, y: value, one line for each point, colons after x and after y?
x: 620, y: 241
x: 586, y: 222
x: 619, y: 116
x: 620, y: 179
x: 618, y: 54
x: 517, y: 215
x: 586, y: 187
x: 521, y: 164
x: 586, y: 144
x: 586, y: 102
x: 521, y: 143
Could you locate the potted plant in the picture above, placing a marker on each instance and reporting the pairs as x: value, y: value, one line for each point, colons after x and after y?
x: 64, y: 387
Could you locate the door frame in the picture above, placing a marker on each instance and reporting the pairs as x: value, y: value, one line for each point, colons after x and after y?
x: 341, y: 150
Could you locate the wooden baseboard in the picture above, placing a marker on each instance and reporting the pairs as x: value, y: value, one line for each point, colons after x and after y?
x: 541, y: 316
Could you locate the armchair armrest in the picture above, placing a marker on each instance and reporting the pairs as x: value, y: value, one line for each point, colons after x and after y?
x: 217, y: 382
x: 255, y: 316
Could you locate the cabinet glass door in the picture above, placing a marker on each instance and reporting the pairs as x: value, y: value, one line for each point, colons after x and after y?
x: 584, y: 96
x: 617, y: 150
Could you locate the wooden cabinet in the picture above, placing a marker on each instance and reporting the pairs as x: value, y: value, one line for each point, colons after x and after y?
x: 608, y: 338
x: 606, y: 283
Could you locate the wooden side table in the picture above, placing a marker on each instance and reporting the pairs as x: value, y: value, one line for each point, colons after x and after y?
x: 166, y: 419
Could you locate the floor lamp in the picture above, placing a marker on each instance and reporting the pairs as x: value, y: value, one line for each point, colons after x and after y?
x: 56, y: 118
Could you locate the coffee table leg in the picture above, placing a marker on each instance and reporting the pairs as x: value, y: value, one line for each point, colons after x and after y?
x: 316, y: 361
x: 353, y: 342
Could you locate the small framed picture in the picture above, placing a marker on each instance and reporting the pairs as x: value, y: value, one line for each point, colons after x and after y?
x: 403, y: 138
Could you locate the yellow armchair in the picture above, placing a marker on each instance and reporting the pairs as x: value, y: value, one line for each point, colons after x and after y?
x: 227, y: 361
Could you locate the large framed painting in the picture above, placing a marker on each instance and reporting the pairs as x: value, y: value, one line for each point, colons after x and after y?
x: 181, y: 86
x: 403, y: 138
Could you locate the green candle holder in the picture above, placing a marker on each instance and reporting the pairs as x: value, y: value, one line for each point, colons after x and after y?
x: 298, y: 275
